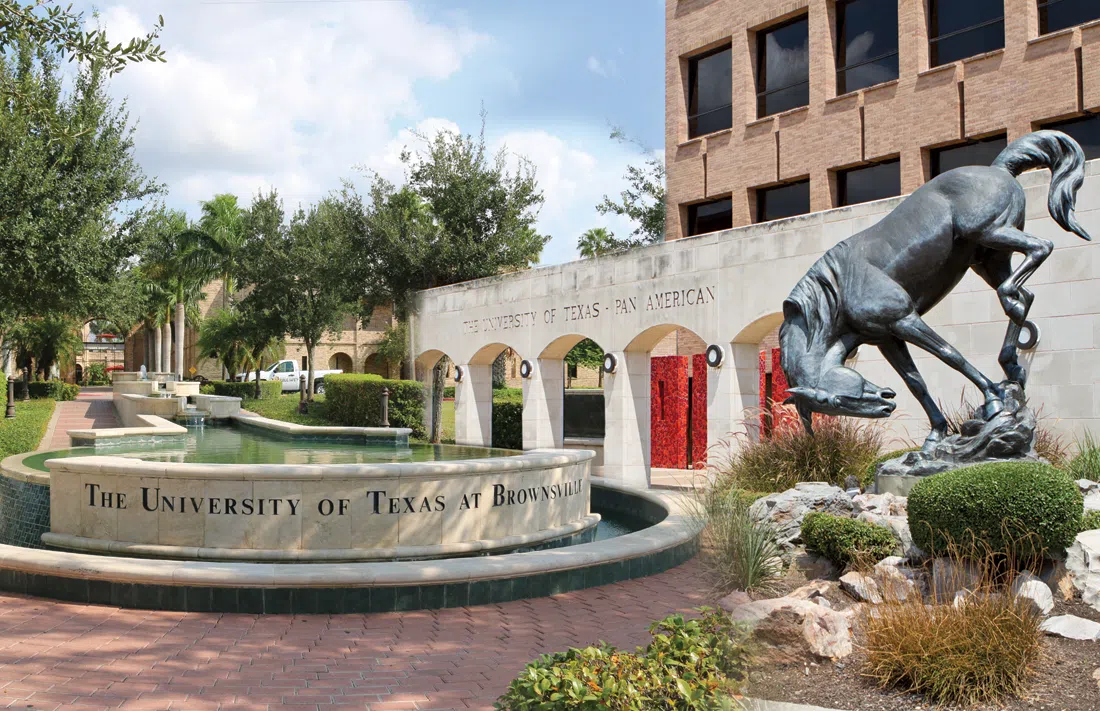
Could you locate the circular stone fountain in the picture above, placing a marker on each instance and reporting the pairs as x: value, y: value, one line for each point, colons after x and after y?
x: 278, y: 517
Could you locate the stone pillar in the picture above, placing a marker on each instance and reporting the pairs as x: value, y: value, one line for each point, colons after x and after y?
x: 733, y: 392
x: 626, y: 435
x: 544, y: 405
x: 474, y: 406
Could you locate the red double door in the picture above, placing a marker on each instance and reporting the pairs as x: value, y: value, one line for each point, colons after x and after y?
x: 678, y: 412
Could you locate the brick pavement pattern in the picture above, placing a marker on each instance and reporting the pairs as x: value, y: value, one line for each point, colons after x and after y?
x: 64, y: 656
x: 92, y: 409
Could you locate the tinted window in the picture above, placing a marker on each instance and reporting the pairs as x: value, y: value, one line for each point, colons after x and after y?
x: 874, y: 182
x: 1057, y: 15
x: 710, y: 93
x: 783, y: 201
x: 962, y: 29
x: 1084, y: 130
x: 783, y: 67
x: 974, y: 153
x: 867, y: 51
x: 710, y: 217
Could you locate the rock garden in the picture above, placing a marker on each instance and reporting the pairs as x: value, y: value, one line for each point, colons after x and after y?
x: 980, y: 589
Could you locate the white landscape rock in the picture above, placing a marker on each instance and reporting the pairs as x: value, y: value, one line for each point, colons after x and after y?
x: 787, y: 509
x: 862, y: 587
x: 805, y: 614
x: 1032, y: 588
x: 1092, y: 501
x: 1071, y: 627
x: 1083, y: 564
x: 1086, y: 485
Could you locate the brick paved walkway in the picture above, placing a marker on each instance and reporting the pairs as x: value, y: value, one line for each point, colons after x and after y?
x: 55, y: 655
x: 91, y: 409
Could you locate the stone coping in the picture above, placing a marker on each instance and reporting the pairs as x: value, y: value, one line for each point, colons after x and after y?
x: 293, y: 429
x: 13, y: 468
x: 531, y: 460
x: 154, y: 426
x: 467, y: 548
x: 674, y: 532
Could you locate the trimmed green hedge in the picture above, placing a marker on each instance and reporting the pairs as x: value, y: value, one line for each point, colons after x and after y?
x: 449, y: 392
x: 53, y: 390
x: 246, y: 391
x: 845, y: 540
x: 23, y: 433
x: 356, y: 400
x: 508, y: 418
x: 1020, y: 508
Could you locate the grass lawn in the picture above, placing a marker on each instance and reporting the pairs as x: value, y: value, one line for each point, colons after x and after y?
x: 447, y: 433
x: 23, y: 433
x: 285, y: 408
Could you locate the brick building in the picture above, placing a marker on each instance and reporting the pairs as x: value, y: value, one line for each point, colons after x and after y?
x: 776, y: 108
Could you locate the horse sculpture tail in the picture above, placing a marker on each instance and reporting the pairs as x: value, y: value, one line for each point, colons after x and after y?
x: 1066, y: 160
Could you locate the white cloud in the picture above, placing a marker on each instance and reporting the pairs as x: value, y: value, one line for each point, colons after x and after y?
x: 603, y: 68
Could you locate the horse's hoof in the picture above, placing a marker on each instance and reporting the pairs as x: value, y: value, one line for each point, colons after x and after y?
x: 992, y: 408
x: 934, y: 437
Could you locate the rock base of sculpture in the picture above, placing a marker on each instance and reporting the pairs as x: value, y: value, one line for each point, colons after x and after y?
x: 1009, y: 435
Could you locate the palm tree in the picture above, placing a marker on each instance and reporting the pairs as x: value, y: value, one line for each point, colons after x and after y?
x: 223, y: 226
x: 221, y: 336
x: 597, y: 242
x: 47, y: 340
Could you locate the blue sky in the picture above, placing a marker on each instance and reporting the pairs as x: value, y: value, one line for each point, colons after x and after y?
x: 295, y: 95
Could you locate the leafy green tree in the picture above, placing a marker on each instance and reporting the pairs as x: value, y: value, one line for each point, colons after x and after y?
x: 394, y: 346
x: 222, y: 337
x: 68, y: 208
x: 264, y: 331
x: 463, y: 215
x: 223, y: 222
x: 46, y: 340
x: 295, y: 270
x: 60, y: 31
x: 643, y: 201
x: 587, y: 353
x: 597, y: 242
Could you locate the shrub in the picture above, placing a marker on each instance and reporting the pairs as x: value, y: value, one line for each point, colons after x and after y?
x: 356, y: 400
x: 846, y: 541
x: 690, y: 664
x: 996, y: 504
x: 1090, y: 521
x: 54, y: 390
x: 981, y: 650
x: 1086, y: 463
x: 23, y: 433
x: 508, y: 418
x: 740, y: 550
x: 840, y: 447
x: 246, y: 391
x: 96, y: 374
x: 449, y: 392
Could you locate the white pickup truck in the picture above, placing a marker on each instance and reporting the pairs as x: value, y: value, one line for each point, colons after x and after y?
x: 290, y: 374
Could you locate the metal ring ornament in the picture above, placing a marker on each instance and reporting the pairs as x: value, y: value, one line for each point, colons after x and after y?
x: 609, y: 362
x: 459, y: 372
x: 1029, y: 336
x: 525, y: 369
x: 715, y: 356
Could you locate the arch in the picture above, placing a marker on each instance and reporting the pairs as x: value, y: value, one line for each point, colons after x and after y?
x: 341, y: 361
x: 487, y: 354
x: 560, y: 346
x: 376, y: 365
x: 429, y: 358
x: 648, y: 339
x: 759, y: 328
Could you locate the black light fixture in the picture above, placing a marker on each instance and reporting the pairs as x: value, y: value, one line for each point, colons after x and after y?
x: 1028, y: 337
x: 459, y: 372
x: 609, y: 362
x: 715, y: 356
x: 525, y: 369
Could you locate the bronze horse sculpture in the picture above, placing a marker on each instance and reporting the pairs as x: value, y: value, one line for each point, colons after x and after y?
x: 873, y: 287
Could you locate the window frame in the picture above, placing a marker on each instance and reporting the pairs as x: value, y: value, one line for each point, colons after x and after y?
x: 842, y: 70
x: 760, y: 193
x: 762, y: 64
x: 1044, y: 20
x: 692, y: 215
x: 842, y: 184
x: 693, y: 77
x: 933, y: 8
x: 934, y: 153
x: 1059, y: 125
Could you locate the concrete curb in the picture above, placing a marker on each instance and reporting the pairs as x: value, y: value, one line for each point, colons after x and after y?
x: 44, y: 443
x: 764, y: 705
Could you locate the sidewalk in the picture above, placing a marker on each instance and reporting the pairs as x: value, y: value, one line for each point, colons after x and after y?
x: 92, y: 409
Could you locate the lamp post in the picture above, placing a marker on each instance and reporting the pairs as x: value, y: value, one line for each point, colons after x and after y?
x: 385, y: 406
x: 26, y: 384
x: 302, y: 405
x: 10, y: 411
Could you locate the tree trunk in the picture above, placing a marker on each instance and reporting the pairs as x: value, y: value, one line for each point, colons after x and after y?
x: 600, y: 371
x: 158, y: 349
x: 181, y: 319
x: 439, y: 377
x: 166, y: 346
x: 257, y: 380
x: 309, y: 371
x: 500, y: 371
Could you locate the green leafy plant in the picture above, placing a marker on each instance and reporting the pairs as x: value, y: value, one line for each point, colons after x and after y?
x: 54, y: 390
x: 508, y: 418
x: 96, y: 374
x: 979, y: 650
x: 990, y: 504
x: 846, y: 541
x: 740, y: 550
x: 356, y: 400
x: 1086, y: 463
x: 693, y: 665
x: 25, y: 431
x: 1090, y: 521
x: 246, y: 391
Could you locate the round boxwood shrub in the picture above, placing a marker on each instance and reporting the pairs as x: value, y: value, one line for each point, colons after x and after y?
x: 1018, y: 508
x: 846, y: 541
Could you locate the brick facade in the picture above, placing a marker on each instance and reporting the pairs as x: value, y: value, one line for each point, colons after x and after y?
x: 1033, y: 80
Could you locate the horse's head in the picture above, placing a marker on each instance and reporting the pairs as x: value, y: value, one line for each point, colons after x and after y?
x: 842, y: 391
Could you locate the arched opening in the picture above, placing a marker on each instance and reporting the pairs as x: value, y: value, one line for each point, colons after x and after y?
x: 434, y: 368
x: 103, y: 351
x: 766, y: 406
x: 496, y: 363
x: 572, y: 365
x: 376, y: 365
x: 341, y: 361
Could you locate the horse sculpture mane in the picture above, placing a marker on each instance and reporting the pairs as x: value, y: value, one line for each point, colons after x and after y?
x: 874, y: 287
